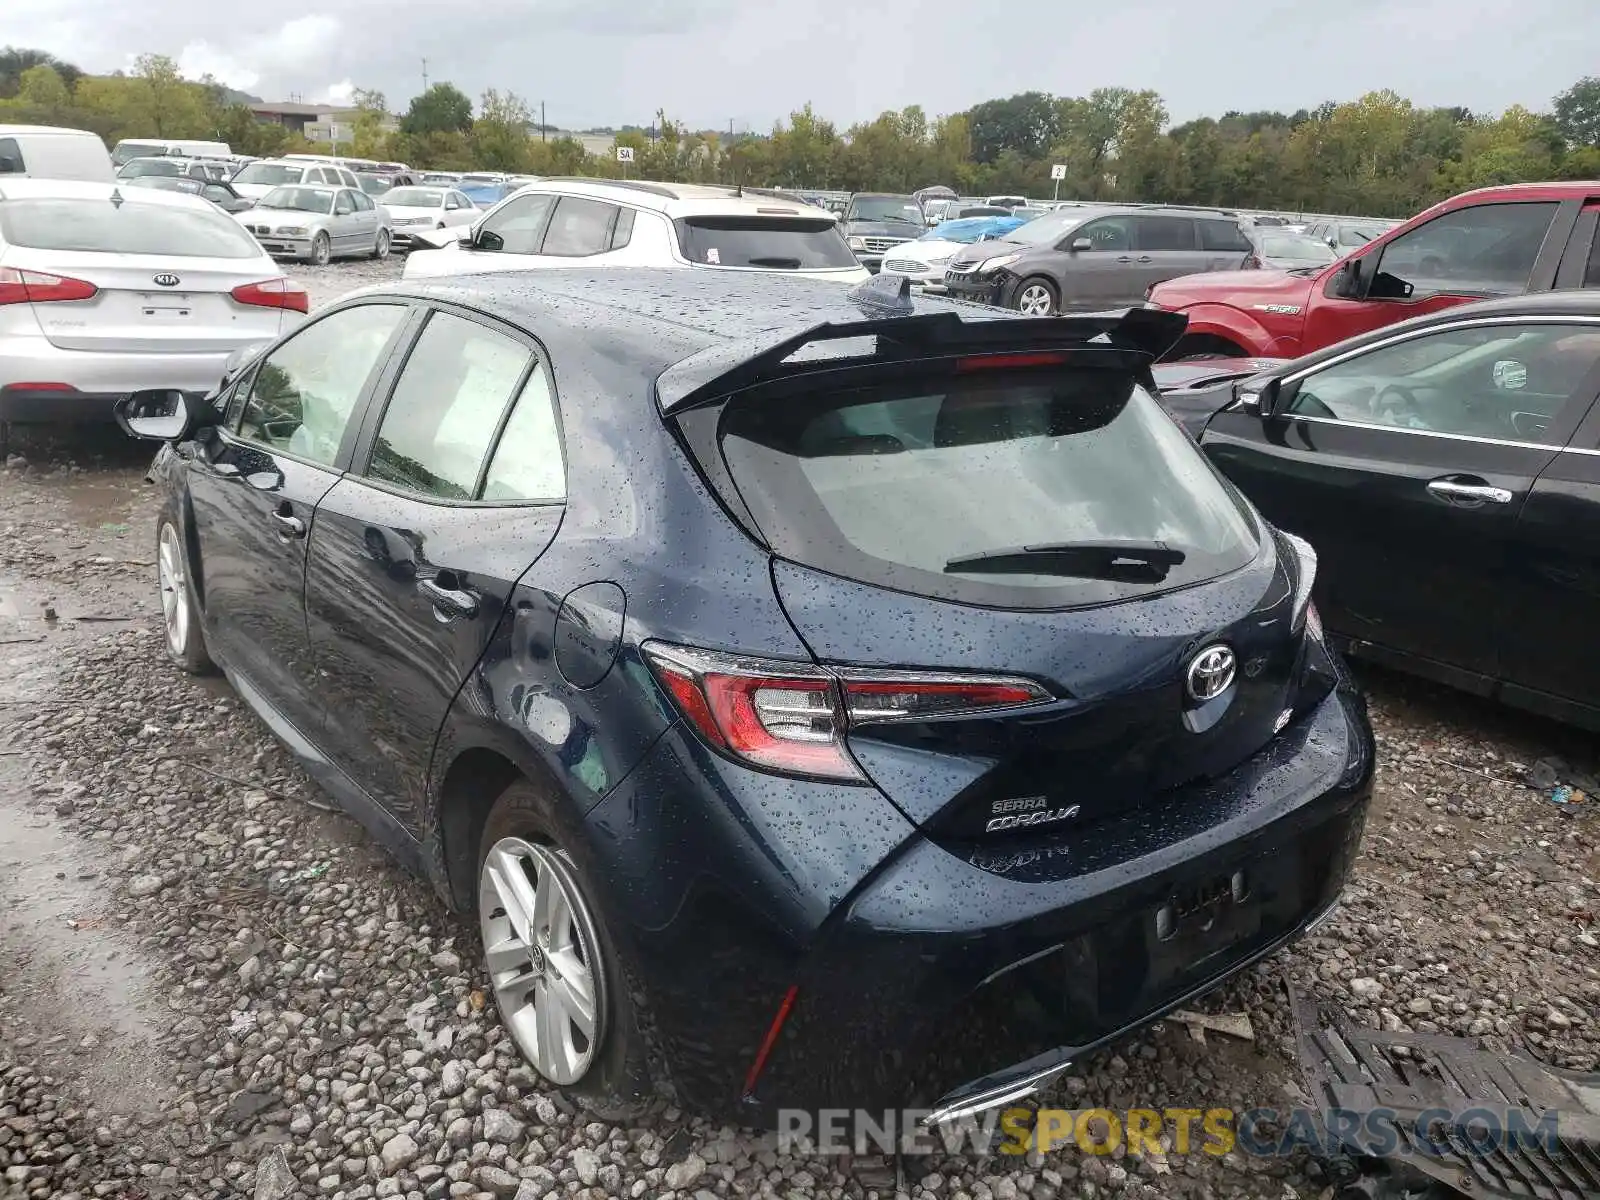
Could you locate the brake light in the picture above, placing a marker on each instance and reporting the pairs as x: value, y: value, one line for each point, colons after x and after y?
x: 21, y: 286
x: 793, y: 718
x: 1004, y: 362
x: 281, y: 292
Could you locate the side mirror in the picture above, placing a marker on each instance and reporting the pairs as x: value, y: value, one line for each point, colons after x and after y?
x: 484, y: 239
x: 1260, y: 400
x: 155, y: 415
x: 1333, y: 242
x: 1081, y: 244
x: 1347, y: 283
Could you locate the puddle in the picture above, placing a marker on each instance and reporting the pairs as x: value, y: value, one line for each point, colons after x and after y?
x: 65, y: 984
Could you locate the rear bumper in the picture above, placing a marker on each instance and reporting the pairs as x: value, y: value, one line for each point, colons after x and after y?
x: 89, y: 383
x: 950, y: 971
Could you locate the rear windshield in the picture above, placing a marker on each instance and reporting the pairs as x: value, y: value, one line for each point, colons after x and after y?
x: 127, y: 150
x: 269, y: 174
x: 773, y: 243
x: 413, y: 197
x: 152, y: 166
x: 132, y: 227
x: 1021, y: 489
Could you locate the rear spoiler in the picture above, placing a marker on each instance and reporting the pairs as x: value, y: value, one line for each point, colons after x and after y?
x: 722, y: 370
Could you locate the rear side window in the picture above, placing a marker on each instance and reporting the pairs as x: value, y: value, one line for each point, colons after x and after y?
x: 1163, y: 233
x: 527, y: 462
x: 770, y: 243
x: 11, y: 157
x: 100, y: 227
x: 1024, y: 489
x: 623, y: 233
x: 579, y: 228
x: 1222, y: 235
x: 446, y: 407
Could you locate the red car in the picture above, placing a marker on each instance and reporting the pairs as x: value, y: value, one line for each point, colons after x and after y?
x: 1499, y: 241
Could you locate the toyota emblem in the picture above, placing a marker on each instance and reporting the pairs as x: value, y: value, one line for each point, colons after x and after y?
x: 1211, y: 673
x: 167, y: 280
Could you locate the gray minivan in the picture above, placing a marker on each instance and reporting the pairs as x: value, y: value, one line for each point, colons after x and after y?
x: 1084, y: 259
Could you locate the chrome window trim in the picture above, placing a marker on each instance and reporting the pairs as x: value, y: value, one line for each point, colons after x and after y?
x: 1413, y: 335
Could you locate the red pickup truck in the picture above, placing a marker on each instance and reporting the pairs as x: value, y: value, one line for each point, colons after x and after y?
x: 1499, y: 241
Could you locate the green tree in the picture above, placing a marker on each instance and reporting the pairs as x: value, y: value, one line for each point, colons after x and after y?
x: 1024, y: 123
x: 443, y: 108
x: 1577, y: 112
x: 500, y: 132
x: 15, y: 61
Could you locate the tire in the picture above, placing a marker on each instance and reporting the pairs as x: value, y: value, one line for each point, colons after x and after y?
x: 180, y: 615
x: 1035, y: 291
x: 380, y: 249
x: 321, y: 250
x: 608, y: 1073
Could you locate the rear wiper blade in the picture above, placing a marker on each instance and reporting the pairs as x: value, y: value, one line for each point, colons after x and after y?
x: 1129, y: 561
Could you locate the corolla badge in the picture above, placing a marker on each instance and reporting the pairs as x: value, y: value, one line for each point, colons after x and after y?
x: 1211, y: 672
x: 166, y: 279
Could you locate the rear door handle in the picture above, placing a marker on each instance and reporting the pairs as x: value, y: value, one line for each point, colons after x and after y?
x: 289, y: 525
x: 1145, y: 258
x: 451, y: 602
x: 1468, y: 494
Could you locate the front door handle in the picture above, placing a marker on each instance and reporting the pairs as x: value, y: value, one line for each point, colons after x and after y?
x: 449, y: 602
x: 1145, y: 258
x: 1466, y: 494
x: 1125, y: 258
x: 289, y: 525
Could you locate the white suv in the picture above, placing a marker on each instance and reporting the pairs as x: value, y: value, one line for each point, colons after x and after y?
x: 627, y: 223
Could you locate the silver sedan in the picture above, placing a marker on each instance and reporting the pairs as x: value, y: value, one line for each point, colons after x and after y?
x: 316, y: 223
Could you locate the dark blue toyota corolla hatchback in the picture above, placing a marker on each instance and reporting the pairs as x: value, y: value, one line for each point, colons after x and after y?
x: 823, y: 698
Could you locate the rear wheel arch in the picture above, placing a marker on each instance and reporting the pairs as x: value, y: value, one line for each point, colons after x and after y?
x: 1206, y: 345
x: 468, y: 789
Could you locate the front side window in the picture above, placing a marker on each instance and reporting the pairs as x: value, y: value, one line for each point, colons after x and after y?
x: 343, y: 205
x: 1164, y: 233
x: 517, y: 227
x: 446, y: 407
x: 1108, y: 233
x: 1024, y: 489
x: 1487, y: 249
x: 363, y: 202
x: 1507, y: 382
x: 303, y: 395
x: 579, y: 228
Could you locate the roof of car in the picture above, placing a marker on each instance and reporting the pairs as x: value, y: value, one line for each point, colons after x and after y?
x: 672, y: 199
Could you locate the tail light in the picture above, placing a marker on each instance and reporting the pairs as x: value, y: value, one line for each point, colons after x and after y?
x: 281, y: 292
x: 21, y: 286
x: 1251, y: 263
x: 1005, y: 362
x: 1303, y: 612
x: 793, y: 718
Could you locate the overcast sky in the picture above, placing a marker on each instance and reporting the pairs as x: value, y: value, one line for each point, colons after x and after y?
x: 610, y: 62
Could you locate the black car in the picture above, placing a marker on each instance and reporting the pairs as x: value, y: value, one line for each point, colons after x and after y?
x: 874, y: 223
x: 823, y: 698
x: 1447, y: 470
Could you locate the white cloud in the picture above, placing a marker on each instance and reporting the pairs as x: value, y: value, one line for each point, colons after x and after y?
x: 199, y: 59
x: 341, y: 93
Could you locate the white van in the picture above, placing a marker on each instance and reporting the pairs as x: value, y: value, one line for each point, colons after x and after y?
x: 45, y: 152
x: 165, y: 147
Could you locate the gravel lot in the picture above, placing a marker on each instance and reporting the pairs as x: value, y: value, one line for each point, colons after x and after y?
x: 211, y: 986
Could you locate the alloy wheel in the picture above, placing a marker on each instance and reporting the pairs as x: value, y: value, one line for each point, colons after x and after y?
x: 174, y: 596
x: 1035, y: 300
x: 382, y: 248
x: 543, y: 955
x: 321, y: 250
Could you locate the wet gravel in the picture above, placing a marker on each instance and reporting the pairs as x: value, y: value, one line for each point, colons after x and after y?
x: 211, y: 986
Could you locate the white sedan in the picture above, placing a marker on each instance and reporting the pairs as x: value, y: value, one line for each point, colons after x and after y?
x: 414, y: 208
x: 107, y: 289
